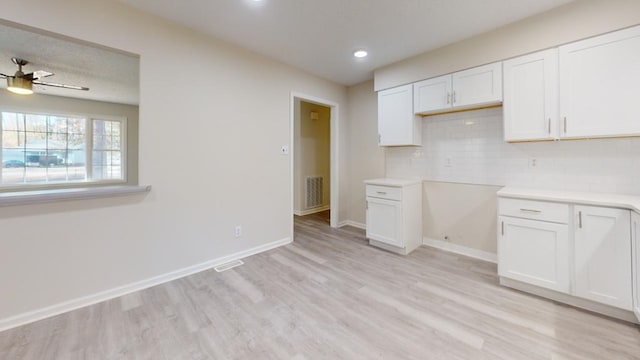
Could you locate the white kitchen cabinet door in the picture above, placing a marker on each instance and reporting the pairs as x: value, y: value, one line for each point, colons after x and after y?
x: 534, y: 252
x: 602, y: 255
x: 432, y: 95
x: 397, y: 124
x: 530, y: 104
x: 384, y: 221
x: 478, y: 86
x: 635, y: 238
x: 599, y: 85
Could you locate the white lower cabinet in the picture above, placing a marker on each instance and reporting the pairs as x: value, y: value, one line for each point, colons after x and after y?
x: 384, y: 221
x: 535, y: 252
x: 635, y: 238
x: 394, y: 214
x: 583, y: 253
x: 602, y: 255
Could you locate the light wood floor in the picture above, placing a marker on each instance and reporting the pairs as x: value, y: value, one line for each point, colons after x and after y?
x: 329, y: 296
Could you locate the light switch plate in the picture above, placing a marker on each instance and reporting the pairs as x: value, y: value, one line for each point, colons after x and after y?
x: 284, y: 150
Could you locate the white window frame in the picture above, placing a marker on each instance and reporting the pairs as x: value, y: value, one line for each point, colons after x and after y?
x: 89, y: 118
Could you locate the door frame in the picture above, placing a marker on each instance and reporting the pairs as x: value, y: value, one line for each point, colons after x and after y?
x: 334, y: 152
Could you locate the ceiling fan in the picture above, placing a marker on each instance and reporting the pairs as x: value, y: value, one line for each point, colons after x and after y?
x: 21, y: 83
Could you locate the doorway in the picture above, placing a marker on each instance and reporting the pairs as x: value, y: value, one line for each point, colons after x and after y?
x: 314, y: 157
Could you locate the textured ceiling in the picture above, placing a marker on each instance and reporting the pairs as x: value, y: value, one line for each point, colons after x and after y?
x: 111, y: 76
x: 320, y: 36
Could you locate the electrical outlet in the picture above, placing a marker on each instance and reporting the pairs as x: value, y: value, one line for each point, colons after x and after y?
x: 533, y: 162
x: 238, y: 231
x: 448, y: 162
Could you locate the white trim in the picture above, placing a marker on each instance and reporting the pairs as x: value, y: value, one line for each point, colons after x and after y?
x: 335, y: 139
x: 43, y: 196
x: 355, y: 224
x: 571, y: 300
x: 39, y: 314
x: 462, y: 250
x: 312, y: 211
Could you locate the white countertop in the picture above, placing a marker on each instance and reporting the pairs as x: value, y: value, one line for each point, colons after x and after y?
x: 393, y: 182
x: 631, y: 202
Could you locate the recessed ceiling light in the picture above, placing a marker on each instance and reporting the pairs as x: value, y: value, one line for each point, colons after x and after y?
x: 360, y: 53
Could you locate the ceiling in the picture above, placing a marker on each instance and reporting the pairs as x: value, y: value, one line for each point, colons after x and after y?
x: 320, y: 36
x: 111, y: 75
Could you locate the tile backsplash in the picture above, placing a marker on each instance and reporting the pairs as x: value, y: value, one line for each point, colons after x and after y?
x: 468, y: 147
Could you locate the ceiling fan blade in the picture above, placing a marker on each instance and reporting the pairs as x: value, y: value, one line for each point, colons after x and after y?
x: 41, y: 74
x: 63, y: 86
x: 4, y: 76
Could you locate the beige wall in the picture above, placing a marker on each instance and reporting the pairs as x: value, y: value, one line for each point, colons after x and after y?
x: 233, y: 116
x: 576, y: 20
x: 366, y: 158
x: 72, y: 106
x: 312, y: 142
x: 460, y: 214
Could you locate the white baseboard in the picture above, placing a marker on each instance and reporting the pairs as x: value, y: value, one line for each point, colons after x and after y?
x: 571, y: 300
x: 352, y: 223
x: 311, y: 211
x: 39, y: 314
x: 462, y: 250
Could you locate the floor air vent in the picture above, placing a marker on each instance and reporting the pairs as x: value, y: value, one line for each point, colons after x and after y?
x: 314, y: 191
x: 229, y: 265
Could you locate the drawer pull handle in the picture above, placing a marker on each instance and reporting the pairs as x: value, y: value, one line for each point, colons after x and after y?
x: 580, y: 219
x: 531, y: 211
x: 503, y: 228
x: 381, y: 192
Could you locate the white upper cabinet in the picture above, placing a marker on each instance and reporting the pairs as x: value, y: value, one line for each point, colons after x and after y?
x: 602, y: 255
x: 530, y: 105
x: 432, y: 94
x: 397, y: 124
x: 480, y: 86
x: 600, y: 84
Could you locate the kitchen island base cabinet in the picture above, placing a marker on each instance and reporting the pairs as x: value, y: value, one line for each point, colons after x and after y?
x: 394, y: 214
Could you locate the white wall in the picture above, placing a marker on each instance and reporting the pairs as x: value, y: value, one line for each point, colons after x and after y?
x: 232, y: 115
x: 464, y: 161
x: 576, y: 20
x: 312, y: 151
x: 366, y: 158
x: 479, y: 155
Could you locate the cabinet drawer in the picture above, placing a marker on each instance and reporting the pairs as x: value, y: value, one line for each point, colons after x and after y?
x: 384, y: 192
x: 536, y: 210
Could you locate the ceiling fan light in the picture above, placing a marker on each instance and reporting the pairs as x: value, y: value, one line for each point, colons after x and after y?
x: 19, y: 86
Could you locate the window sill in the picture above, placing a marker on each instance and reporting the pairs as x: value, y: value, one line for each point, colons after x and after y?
x: 42, y: 196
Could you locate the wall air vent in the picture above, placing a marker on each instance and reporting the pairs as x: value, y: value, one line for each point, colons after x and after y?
x: 314, y: 192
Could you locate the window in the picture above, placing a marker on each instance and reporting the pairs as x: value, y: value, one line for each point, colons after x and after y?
x: 42, y: 149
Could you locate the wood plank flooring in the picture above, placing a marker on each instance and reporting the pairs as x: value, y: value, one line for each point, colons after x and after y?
x: 329, y: 296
